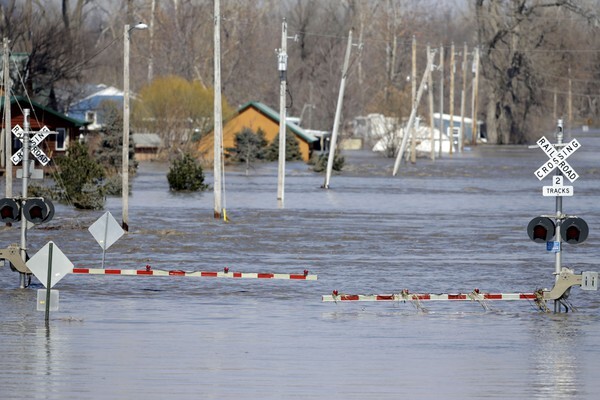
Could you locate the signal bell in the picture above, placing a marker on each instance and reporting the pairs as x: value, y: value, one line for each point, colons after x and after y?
x: 541, y: 229
x: 574, y: 230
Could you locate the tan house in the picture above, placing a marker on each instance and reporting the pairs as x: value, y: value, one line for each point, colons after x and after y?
x: 254, y: 116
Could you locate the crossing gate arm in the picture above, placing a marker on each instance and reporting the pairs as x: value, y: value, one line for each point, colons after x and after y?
x: 12, y: 254
x: 148, y: 271
x: 405, y: 295
x: 566, y: 279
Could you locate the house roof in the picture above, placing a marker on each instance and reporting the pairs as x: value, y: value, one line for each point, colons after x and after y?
x: 274, y: 116
x: 146, y: 140
x: 23, y: 100
x: 94, y: 99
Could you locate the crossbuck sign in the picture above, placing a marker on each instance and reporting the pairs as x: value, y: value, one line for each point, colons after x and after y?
x: 557, y: 159
x: 34, y: 142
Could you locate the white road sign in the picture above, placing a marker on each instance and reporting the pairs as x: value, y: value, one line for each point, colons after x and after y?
x: 106, y: 230
x: 34, y: 142
x: 557, y: 188
x: 61, y: 265
x: 557, y: 159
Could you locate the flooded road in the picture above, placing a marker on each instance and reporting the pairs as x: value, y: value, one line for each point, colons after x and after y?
x: 446, y: 226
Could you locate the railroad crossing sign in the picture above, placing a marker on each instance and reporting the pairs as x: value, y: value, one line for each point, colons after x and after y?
x: 557, y: 159
x: 557, y: 188
x: 34, y: 142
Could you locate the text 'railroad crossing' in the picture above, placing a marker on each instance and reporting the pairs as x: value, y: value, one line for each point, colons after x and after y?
x: 557, y: 159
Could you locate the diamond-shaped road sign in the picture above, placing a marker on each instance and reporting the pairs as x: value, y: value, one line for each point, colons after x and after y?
x: 106, y: 230
x: 34, y: 142
x: 557, y: 159
x: 61, y: 265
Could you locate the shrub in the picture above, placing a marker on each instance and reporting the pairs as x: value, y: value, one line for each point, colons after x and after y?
x: 80, y: 178
x: 186, y: 174
x: 320, y: 162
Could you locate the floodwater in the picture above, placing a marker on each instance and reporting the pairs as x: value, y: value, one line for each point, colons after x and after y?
x: 446, y: 226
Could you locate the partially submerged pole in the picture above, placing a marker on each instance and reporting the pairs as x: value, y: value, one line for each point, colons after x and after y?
x: 282, y: 67
x: 25, y: 181
x: 451, y: 99
x: 218, y: 122
x: 7, y: 124
x: 338, y: 111
x: 413, y: 114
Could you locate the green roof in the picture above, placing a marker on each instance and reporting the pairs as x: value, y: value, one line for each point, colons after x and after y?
x: 20, y: 99
x: 273, y: 115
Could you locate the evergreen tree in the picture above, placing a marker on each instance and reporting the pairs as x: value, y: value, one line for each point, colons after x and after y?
x: 292, y: 148
x: 80, y: 178
x: 110, y: 149
x: 249, y: 146
x: 320, y: 162
x: 186, y: 174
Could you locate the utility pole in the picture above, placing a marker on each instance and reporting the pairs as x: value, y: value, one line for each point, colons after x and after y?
x: 430, y: 95
x: 452, y: 66
x: 413, y: 74
x: 7, y: 124
x: 555, y: 103
x: 570, y: 104
x: 441, y: 97
x: 151, y: 52
x: 413, y: 141
x: 413, y: 113
x: 218, y: 121
x: 125, y: 150
x: 282, y: 67
x: 338, y: 111
x: 475, y: 97
x: 125, y: 159
x: 463, y: 98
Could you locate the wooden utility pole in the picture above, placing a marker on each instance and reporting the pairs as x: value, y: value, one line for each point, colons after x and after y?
x: 475, y: 96
x: 218, y: 119
x: 282, y: 67
x: 452, y: 71
x: 7, y: 125
x: 413, y: 114
x: 151, y: 33
x: 125, y: 149
x: 441, y: 97
x: 570, y: 104
x: 413, y: 74
x: 338, y: 112
x: 413, y: 79
x: 555, y: 104
x: 430, y: 95
x: 463, y: 98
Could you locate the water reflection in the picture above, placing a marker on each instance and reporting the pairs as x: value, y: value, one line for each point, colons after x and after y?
x: 554, y: 354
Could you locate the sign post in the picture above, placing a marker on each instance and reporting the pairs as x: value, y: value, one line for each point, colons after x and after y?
x: 557, y: 161
x: 30, y: 145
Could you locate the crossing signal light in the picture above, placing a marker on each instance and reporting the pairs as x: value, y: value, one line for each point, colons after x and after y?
x: 574, y: 230
x: 35, y: 210
x: 541, y: 229
x: 9, y: 210
x: 38, y: 210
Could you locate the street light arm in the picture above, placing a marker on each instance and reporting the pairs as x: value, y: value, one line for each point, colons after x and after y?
x: 140, y: 26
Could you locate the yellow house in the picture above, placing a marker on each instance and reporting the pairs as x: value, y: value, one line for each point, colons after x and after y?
x: 255, y: 115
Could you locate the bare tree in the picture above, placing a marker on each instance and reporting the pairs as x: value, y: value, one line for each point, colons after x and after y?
x: 511, y: 34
